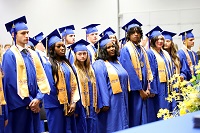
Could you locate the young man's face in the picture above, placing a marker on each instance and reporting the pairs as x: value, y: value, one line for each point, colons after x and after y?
x: 135, y: 37
x: 93, y: 37
x: 70, y: 39
x: 189, y: 42
x: 22, y: 37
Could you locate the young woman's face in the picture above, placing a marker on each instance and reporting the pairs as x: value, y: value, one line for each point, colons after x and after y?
x: 60, y: 49
x: 81, y: 55
x: 167, y: 44
x: 160, y: 42
x: 113, y: 38
x: 110, y: 47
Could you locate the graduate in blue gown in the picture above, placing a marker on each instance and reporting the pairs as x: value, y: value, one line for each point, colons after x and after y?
x: 112, y: 84
x: 169, y: 46
x: 60, y: 104
x: 24, y: 82
x: 92, y: 38
x: 86, y: 114
x: 40, y: 48
x: 112, y: 36
x: 68, y: 37
x: 161, y: 66
x: 134, y: 59
x: 188, y: 58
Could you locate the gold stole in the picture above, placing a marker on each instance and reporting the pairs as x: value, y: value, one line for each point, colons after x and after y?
x: 2, y: 98
x: 136, y: 63
x: 162, y: 72
x: 189, y: 61
x: 114, y: 79
x: 62, y: 90
x: 84, y: 92
x: 22, y: 85
x: 42, y: 80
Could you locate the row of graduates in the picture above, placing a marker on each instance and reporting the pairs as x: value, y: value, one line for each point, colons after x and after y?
x: 82, y: 95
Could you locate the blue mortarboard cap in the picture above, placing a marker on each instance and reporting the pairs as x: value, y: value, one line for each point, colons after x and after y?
x: 91, y: 28
x: 79, y: 46
x: 168, y: 35
x: 39, y: 36
x: 52, y: 38
x: 32, y: 42
x: 186, y: 34
x: 132, y: 23
x: 67, y: 30
x: 102, y: 42
x: 109, y: 31
x: 17, y: 25
x: 154, y: 32
x: 123, y: 41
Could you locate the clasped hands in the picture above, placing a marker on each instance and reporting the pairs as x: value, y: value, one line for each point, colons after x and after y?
x: 35, y: 105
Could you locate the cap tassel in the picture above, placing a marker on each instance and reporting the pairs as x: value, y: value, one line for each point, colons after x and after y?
x: 185, y: 39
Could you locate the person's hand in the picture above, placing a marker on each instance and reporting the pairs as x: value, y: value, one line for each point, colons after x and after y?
x: 71, y: 109
x: 34, y: 105
x: 5, y: 123
x: 148, y: 92
x: 181, y: 78
x: 105, y: 108
x: 143, y: 94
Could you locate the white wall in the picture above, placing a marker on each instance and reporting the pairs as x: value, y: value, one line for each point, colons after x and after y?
x: 171, y: 15
x: 47, y: 15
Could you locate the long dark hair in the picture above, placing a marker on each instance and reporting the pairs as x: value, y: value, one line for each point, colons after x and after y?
x: 52, y: 58
x: 132, y: 30
x: 153, y: 41
x: 103, y: 54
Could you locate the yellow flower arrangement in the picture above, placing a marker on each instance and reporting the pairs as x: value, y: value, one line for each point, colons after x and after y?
x: 186, y: 94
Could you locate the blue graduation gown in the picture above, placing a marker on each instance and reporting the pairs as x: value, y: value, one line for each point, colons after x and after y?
x: 86, y: 124
x: 185, y: 69
x: 116, y: 118
x: 69, y: 55
x: 137, y: 106
x: 16, y: 105
x: 57, y: 122
x: 3, y: 117
x: 160, y: 89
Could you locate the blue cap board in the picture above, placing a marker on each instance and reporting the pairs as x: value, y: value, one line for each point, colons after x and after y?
x: 102, y: 42
x: 168, y: 35
x: 67, y: 30
x: 132, y: 23
x: 91, y: 28
x: 39, y: 36
x: 123, y: 41
x: 186, y: 34
x: 17, y: 25
x: 154, y: 32
x: 79, y: 46
x: 52, y: 38
x: 32, y: 42
x: 109, y: 31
